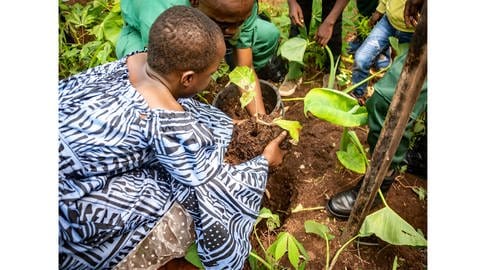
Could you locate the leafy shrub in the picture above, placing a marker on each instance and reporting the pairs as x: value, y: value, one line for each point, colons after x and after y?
x: 87, y: 35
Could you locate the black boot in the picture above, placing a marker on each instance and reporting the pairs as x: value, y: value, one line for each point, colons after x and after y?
x: 341, y: 204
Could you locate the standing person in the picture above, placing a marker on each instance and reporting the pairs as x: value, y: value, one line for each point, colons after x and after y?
x: 389, y: 22
x: 250, y: 40
x: 132, y: 143
x: 328, y: 33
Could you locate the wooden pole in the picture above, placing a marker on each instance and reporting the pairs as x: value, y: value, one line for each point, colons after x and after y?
x: 407, y: 91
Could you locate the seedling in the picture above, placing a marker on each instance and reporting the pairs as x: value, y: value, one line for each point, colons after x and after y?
x: 321, y: 230
x: 244, y: 78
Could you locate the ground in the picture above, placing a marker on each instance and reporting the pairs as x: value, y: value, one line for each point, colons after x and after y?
x: 310, y: 174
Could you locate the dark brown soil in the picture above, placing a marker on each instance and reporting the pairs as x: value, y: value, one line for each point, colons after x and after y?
x: 309, y: 175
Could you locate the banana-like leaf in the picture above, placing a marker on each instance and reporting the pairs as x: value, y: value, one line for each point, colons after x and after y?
x: 293, y: 49
x: 293, y: 127
x: 335, y: 107
x: 391, y: 228
x: 352, y: 159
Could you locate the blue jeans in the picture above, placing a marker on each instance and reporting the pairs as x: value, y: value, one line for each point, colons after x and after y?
x: 376, y: 42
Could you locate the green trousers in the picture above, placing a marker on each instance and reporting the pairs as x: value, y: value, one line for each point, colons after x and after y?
x: 379, y: 102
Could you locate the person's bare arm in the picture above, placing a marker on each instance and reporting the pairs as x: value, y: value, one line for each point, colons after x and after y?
x: 325, y: 30
x: 295, y: 12
x: 244, y: 57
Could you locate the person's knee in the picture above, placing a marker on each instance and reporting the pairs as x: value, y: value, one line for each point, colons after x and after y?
x: 362, y: 60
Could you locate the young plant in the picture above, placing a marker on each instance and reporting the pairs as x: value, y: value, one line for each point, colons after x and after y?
x: 244, y: 78
x: 387, y: 225
x: 87, y: 35
x: 321, y: 230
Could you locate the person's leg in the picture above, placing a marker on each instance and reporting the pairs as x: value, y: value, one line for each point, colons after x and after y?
x: 372, y: 46
x: 267, y: 64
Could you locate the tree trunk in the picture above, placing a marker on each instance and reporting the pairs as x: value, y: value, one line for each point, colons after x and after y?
x: 407, y: 91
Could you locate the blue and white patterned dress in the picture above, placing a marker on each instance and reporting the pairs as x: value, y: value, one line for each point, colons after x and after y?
x: 122, y: 165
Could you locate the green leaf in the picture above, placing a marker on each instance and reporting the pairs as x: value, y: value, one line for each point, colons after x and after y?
x: 281, y: 246
x: 243, y: 77
x: 319, y: 229
x: 273, y: 220
x: 246, y: 98
x: 391, y: 228
x: 192, y: 256
x: 420, y: 192
x: 293, y: 127
x: 293, y: 49
x: 399, y: 48
x: 335, y: 107
x: 293, y: 254
x: 352, y: 159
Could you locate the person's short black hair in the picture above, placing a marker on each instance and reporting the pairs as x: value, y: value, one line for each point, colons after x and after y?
x: 182, y: 38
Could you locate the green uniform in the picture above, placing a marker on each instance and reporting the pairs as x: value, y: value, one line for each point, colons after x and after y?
x: 377, y: 107
x: 139, y: 15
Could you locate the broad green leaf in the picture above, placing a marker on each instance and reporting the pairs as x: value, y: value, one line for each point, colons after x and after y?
x: 335, y: 107
x: 281, y: 246
x: 399, y: 48
x: 391, y: 228
x: 293, y: 127
x: 351, y: 138
x: 352, y: 159
x: 293, y: 49
x: 192, y: 256
x: 319, y: 229
x: 246, y: 98
x: 243, y: 77
x: 301, y: 248
x: 293, y: 254
x: 294, y: 71
x: 112, y: 26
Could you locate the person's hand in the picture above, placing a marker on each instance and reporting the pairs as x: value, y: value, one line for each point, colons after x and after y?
x: 194, y: 3
x: 324, y: 33
x: 411, y: 13
x: 272, y: 151
x: 295, y: 12
x: 376, y: 16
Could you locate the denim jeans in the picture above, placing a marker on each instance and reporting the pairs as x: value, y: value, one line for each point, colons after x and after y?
x: 376, y: 42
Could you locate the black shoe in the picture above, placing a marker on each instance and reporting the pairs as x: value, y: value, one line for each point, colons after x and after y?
x: 341, y: 204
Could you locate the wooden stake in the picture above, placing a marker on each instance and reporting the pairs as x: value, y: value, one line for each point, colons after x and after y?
x: 407, y: 91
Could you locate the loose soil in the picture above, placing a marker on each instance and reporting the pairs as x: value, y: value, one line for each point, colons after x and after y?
x: 309, y: 175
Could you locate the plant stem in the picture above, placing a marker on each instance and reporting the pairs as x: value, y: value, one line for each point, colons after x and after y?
x: 335, y: 258
x: 308, y: 209
x: 328, y: 250
x: 260, y: 243
x: 261, y: 260
x: 293, y: 99
x: 349, y: 89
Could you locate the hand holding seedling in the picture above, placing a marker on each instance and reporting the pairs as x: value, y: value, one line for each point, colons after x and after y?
x: 272, y: 151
